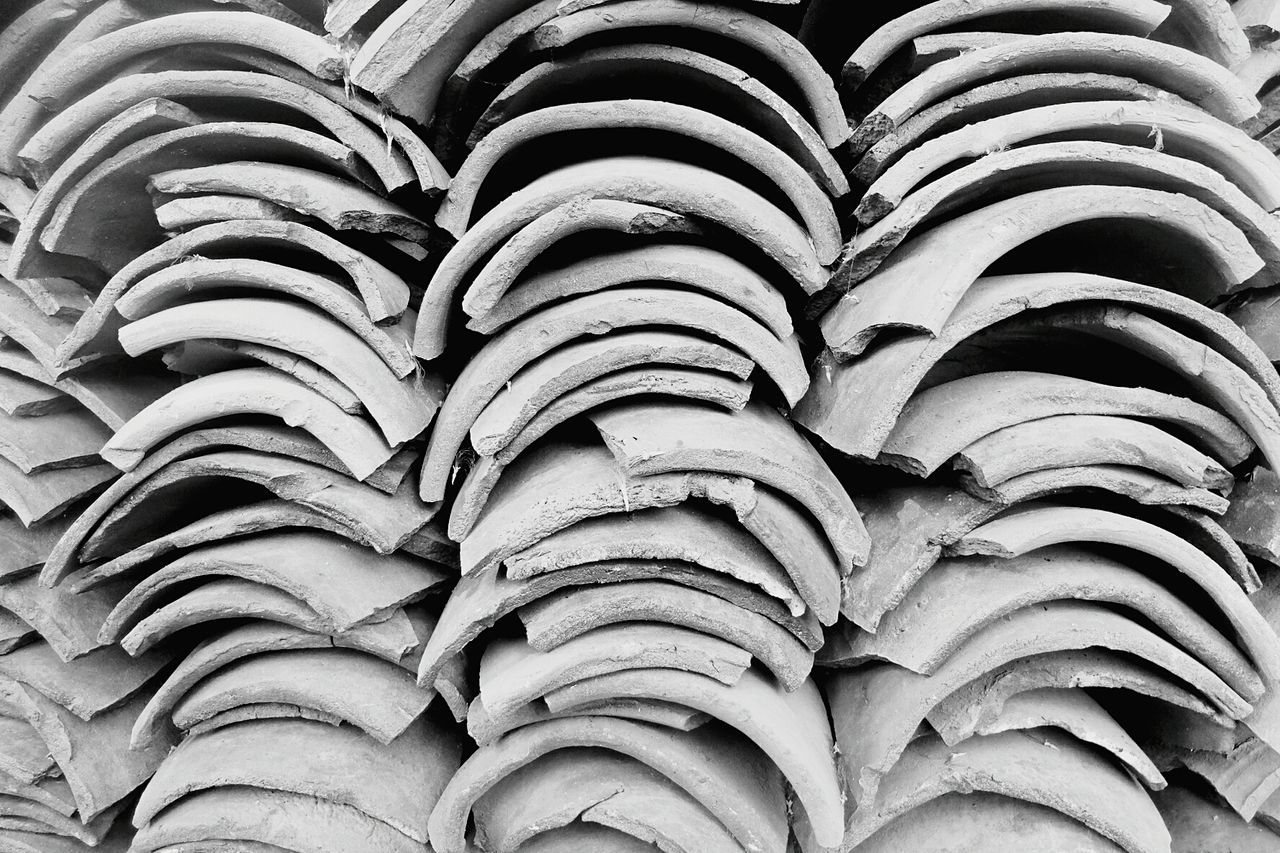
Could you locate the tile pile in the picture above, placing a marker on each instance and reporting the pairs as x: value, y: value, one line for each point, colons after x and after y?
x: 480, y: 426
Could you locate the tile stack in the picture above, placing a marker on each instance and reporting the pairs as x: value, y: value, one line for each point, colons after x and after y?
x: 209, y: 290
x: 1055, y: 613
